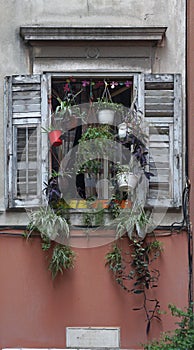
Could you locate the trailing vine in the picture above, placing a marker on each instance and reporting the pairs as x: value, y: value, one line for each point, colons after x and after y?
x: 135, y: 266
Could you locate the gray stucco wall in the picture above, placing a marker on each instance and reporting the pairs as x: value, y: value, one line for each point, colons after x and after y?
x: 14, y: 58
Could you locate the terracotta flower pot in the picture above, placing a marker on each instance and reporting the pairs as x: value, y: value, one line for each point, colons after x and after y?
x: 54, y: 138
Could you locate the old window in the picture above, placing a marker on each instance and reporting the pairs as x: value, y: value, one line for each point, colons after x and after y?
x: 28, y: 111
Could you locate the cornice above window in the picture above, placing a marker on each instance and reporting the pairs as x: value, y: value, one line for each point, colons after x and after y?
x: 149, y: 35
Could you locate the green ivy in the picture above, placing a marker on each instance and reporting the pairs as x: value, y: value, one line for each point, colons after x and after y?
x: 181, y: 338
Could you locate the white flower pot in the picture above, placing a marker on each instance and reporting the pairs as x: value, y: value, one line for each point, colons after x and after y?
x: 106, y: 116
x: 122, y: 130
x: 127, y: 181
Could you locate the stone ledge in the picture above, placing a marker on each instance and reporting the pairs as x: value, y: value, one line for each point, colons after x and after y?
x: 35, y: 34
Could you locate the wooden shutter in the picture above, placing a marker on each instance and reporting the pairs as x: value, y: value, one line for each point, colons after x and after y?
x: 24, y: 141
x: 163, y: 111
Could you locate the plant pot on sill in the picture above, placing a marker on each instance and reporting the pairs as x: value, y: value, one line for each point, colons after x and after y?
x: 100, y: 204
x: 106, y: 116
x: 127, y: 181
x: 54, y: 138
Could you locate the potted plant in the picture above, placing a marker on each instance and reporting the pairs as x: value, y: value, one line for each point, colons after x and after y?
x: 93, y: 146
x: 126, y: 179
x: 68, y: 112
x: 106, y: 111
x: 93, y: 149
x: 54, y: 136
x: 106, y: 108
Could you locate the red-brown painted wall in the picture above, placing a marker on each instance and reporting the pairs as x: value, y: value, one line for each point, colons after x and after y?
x: 34, y: 311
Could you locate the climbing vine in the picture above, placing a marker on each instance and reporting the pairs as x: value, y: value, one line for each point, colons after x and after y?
x: 135, y: 274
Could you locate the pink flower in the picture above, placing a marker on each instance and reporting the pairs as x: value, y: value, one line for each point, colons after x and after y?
x: 85, y: 83
x: 113, y: 84
x: 66, y: 88
x: 128, y: 83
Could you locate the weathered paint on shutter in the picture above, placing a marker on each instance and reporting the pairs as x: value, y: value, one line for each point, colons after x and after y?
x: 24, y: 140
x: 163, y: 111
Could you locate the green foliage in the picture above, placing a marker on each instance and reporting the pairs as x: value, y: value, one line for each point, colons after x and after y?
x: 129, y: 219
x: 101, y: 131
x: 105, y: 103
x: 114, y: 260
x: 139, y: 271
x: 93, y: 145
x: 94, y: 217
x: 181, y: 338
x: 62, y: 259
x: 48, y: 223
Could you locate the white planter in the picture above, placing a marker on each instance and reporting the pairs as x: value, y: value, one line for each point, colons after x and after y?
x: 127, y: 181
x: 106, y: 116
x: 122, y: 130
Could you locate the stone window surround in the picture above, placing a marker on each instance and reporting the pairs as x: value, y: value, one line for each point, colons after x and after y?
x: 151, y: 35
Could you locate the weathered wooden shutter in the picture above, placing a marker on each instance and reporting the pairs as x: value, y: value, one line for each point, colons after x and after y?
x: 25, y: 144
x: 163, y: 111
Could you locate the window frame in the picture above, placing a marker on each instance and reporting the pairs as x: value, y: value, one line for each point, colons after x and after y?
x: 138, y: 85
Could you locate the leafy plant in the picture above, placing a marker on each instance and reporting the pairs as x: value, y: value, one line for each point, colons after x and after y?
x: 62, y: 259
x: 131, y: 221
x: 182, y: 338
x: 104, y: 103
x: 93, y: 145
x: 48, y: 223
x: 139, y: 271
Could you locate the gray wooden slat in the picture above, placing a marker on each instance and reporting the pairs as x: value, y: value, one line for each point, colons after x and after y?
x: 29, y: 101
x: 26, y: 87
x: 25, y: 108
x: 160, y: 78
x: 26, y: 79
x: 161, y: 93
x: 23, y: 95
x: 22, y: 118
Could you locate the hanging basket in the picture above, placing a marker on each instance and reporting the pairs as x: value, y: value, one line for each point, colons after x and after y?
x: 54, y: 138
x: 127, y: 181
x: 106, y: 116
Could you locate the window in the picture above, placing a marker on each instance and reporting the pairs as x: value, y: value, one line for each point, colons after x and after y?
x: 28, y: 109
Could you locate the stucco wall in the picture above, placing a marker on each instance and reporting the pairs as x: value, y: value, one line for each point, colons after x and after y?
x: 35, y: 312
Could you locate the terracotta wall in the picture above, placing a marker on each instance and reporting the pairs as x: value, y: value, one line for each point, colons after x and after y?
x: 34, y: 311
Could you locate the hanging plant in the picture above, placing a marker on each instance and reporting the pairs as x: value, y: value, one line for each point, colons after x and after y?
x: 51, y: 227
x: 93, y: 146
x: 137, y: 276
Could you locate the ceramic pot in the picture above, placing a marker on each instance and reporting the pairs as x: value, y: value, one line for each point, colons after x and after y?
x: 106, y: 116
x: 127, y: 181
x: 54, y: 138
